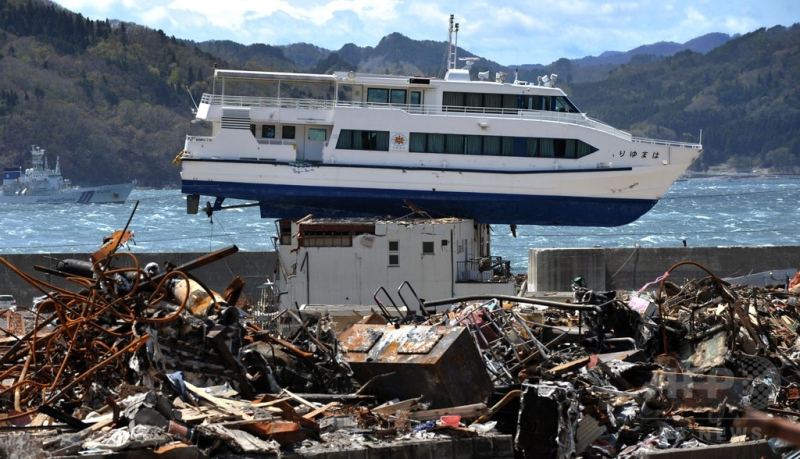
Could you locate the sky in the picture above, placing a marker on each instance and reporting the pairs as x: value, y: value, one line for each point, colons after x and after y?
x: 507, y: 32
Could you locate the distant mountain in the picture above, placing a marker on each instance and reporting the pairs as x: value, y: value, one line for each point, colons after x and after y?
x: 305, y: 55
x: 701, y: 44
x: 256, y: 55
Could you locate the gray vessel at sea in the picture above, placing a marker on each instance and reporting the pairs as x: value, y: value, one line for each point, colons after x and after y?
x: 42, y: 185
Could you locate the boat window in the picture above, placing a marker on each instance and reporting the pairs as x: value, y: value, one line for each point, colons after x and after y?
x: 454, y: 143
x: 416, y: 143
x: 473, y: 144
x: 561, y: 105
x: 510, y: 102
x: 378, y: 95
x: 435, y: 143
x: 363, y: 140
x: 268, y: 131
x: 492, y: 145
x: 544, y: 102
x: 532, y: 149
x: 398, y: 96
x: 317, y: 134
x: 253, y: 129
x: 474, y: 100
x: 493, y: 101
x: 453, y: 99
x: 416, y: 98
x: 287, y: 132
x: 547, y: 148
x: 375, y: 140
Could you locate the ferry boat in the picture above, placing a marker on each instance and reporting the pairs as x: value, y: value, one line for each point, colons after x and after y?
x: 359, y: 145
x: 42, y: 185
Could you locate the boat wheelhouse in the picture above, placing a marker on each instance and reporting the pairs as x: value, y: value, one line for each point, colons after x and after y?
x: 359, y: 145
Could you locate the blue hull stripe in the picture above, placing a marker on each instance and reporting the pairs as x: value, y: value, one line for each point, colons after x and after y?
x: 418, y: 168
x: 285, y: 201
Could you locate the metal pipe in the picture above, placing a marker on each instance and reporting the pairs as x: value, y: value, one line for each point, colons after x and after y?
x: 515, y: 299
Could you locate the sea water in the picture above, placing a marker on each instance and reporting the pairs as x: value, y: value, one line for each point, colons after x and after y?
x: 745, y: 212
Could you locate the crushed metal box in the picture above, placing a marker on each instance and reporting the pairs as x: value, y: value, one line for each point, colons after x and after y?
x: 441, y: 363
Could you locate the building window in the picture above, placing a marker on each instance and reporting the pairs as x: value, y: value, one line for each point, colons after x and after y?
x: 287, y: 132
x: 394, y: 253
x: 427, y: 248
x: 268, y: 131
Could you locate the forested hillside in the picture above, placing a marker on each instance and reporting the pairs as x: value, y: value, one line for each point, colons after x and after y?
x: 744, y: 95
x: 112, y: 99
x: 109, y: 98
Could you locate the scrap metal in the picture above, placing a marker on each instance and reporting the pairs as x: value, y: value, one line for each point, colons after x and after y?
x: 146, y: 358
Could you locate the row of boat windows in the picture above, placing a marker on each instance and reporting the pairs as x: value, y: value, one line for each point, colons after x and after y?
x: 468, y: 144
x: 508, y: 101
x: 451, y: 100
x: 393, y: 96
x: 267, y: 131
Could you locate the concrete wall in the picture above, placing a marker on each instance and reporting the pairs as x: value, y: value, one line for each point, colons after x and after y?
x: 551, y: 270
x: 253, y: 267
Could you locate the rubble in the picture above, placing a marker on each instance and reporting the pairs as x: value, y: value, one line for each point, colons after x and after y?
x: 147, y: 359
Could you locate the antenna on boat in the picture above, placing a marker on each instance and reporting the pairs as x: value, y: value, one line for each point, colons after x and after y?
x: 451, y: 59
x: 192, y: 97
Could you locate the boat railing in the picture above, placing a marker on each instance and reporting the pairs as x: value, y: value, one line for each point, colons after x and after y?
x: 267, y: 102
x: 669, y: 143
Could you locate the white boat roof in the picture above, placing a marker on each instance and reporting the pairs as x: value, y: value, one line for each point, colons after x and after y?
x: 258, y: 75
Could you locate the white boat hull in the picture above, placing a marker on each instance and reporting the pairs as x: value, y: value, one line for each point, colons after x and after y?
x: 590, y: 197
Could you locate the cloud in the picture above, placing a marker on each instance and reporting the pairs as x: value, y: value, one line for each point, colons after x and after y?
x: 505, y: 31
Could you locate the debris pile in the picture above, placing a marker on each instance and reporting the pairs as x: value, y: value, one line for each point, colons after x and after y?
x: 136, y: 359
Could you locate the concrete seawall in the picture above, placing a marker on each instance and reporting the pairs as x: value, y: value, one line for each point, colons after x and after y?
x: 549, y: 270
x: 552, y: 270
x: 253, y: 267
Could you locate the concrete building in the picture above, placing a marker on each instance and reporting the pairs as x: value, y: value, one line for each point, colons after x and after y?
x: 345, y: 262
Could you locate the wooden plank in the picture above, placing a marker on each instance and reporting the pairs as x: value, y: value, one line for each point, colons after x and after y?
x: 230, y: 406
x: 299, y: 399
x: 320, y: 410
